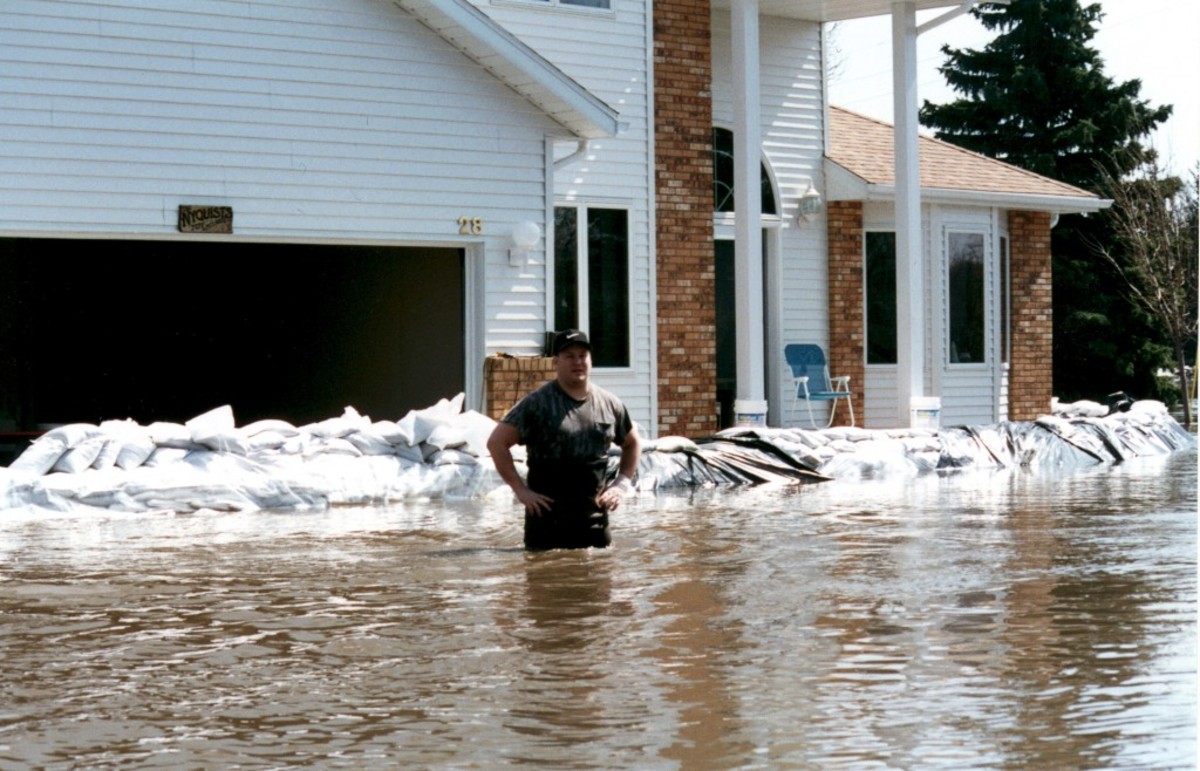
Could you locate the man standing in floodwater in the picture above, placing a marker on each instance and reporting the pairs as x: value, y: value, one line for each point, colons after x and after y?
x: 567, y: 426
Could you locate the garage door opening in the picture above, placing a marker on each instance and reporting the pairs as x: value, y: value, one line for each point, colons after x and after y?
x: 99, y: 330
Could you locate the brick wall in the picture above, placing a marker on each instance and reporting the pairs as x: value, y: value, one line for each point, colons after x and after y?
x: 687, y: 347
x: 1031, y: 380
x: 844, y: 221
x: 508, y: 378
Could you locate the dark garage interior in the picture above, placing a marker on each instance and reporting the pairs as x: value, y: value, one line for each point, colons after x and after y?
x: 153, y: 330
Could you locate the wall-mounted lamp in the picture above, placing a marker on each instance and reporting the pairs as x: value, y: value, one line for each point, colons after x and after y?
x: 810, y: 204
x: 525, y: 236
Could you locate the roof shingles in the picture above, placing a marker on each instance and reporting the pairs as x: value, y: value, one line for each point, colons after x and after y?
x: 864, y: 147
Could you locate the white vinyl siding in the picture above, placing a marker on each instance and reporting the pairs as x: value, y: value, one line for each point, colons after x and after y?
x: 609, y: 55
x: 310, y: 120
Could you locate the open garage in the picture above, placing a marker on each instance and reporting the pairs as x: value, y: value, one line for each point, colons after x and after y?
x: 92, y: 330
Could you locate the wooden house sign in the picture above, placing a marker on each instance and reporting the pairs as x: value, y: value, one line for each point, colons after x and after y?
x: 205, y: 219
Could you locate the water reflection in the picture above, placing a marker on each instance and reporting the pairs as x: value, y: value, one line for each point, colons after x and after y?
x: 971, y: 620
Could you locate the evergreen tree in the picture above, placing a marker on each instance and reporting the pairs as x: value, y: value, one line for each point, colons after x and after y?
x: 1037, y: 97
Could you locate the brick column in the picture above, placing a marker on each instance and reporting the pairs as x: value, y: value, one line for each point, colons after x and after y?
x: 508, y: 378
x: 844, y: 222
x: 1031, y: 378
x: 686, y: 279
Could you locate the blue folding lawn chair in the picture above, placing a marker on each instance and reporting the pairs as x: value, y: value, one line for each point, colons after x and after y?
x: 812, y: 383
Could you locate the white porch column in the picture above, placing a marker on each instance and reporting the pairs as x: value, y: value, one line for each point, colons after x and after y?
x: 747, y: 201
x: 910, y: 273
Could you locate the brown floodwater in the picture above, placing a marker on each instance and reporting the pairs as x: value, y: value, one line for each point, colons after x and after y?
x: 1006, y: 619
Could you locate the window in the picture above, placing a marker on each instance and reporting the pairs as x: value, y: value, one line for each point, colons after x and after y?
x: 965, y: 291
x: 604, y: 4
x: 881, y: 298
x: 723, y: 176
x: 591, y: 279
x: 1005, y: 299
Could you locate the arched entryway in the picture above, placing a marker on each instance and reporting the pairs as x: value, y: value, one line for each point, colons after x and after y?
x: 723, y: 245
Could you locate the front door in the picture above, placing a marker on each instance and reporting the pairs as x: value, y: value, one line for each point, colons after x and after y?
x: 966, y: 339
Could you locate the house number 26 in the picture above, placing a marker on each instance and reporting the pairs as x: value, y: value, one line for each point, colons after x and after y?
x: 470, y: 226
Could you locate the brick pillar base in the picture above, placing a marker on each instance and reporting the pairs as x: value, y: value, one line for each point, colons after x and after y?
x: 508, y: 378
x: 686, y: 276
x: 844, y: 222
x: 1031, y: 375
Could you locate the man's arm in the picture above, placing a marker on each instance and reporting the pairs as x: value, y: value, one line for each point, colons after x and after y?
x: 499, y: 445
x: 631, y: 454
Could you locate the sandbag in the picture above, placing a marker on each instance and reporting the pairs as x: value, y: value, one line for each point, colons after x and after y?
x: 40, y: 456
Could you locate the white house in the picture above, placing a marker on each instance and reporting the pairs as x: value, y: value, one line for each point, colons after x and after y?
x: 297, y: 205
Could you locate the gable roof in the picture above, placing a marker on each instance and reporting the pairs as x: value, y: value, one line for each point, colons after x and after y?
x: 860, y: 162
x: 526, y: 71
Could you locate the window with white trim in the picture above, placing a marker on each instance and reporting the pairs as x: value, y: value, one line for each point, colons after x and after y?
x: 965, y: 290
x: 880, y: 287
x: 1005, y: 300
x: 591, y: 278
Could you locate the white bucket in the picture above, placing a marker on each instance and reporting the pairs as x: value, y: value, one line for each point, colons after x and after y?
x: 925, y: 412
x: 749, y: 413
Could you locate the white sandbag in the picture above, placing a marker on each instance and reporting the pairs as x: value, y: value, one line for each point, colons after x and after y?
x: 370, y: 443
x: 264, y: 440
x: 135, y: 449
x: 40, y: 456
x: 409, y: 452
x: 426, y: 420
x: 215, y: 421
x: 224, y: 441
x: 107, y: 456
x: 477, y: 429
x: 166, y: 456
x: 215, y: 430
x: 72, y: 434
x: 340, y: 427
x: 298, y: 444
x: 165, y: 434
x: 271, y: 426
x: 424, y: 424
x: 672, y: 444
x: 112, y: 428
x: 331, y: 445
x: 1149, y: 407
x: 80, y: 456
x: 392, y: 432
x: 406, y: 429
x: 452, y: 456
x: 446, y: 435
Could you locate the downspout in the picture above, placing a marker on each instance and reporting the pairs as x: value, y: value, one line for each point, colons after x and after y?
x: 581, y: 148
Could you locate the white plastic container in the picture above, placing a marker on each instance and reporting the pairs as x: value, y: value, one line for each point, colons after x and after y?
x: 749, y: 413
x: 925, y: 412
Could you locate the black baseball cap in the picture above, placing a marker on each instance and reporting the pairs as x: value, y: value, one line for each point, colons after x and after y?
x: 569, y: 337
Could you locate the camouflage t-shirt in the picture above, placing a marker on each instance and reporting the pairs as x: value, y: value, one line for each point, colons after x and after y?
x: 567, y: 440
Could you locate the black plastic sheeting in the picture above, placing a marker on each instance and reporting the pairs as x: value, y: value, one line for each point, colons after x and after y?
x: 771, y: 455
x: 745, y: 459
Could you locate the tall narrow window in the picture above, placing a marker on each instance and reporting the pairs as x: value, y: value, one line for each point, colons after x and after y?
x: 881, y: 297
x: 591, y: 279
x: 1005, y: 300
x: 566, y: 268
x: 966, y: 297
